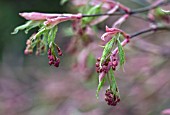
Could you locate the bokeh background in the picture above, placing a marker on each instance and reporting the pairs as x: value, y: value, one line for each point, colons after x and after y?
x: 29, y: 86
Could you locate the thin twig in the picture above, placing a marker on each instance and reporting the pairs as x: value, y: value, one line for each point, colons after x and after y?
x: 132, y: 12
x: 149, y: 30
x: 125, y: 41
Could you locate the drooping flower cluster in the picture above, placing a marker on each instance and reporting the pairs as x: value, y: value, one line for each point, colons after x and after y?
x: 45, y: 37
x: 109, y: 57
x: 113, y: 54
x: 53, y: 60
x: 106, y: 65
x: 111, y: 98
x: 31, y: 44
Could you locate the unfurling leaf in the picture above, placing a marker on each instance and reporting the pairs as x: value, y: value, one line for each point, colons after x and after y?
x: 107, y: 50
x: 52, y: 34
x: 100, y: 85
x: 121, y: 51
x: 27, y: 26
x: 113, y: 86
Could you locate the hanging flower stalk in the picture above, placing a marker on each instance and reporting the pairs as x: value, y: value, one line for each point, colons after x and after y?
x: 113, y: 54
x: 45, y: 37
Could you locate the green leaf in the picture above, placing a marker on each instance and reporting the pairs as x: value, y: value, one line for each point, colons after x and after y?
x: 45, y: 36
x: 27, y: 26
x: 121, y: 51
x: 39, y: 33
x: 107, y: 50
x: 34, y: 25
x: 63, y: 2
x: 100, y: 85
x: 159, y: 12
x: 52, y: 34
x: 22, y: 27
x: 45, y: 39
x: 113, y: 80
x: 93, y: 10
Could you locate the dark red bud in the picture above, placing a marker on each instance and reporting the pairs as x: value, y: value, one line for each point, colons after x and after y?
x: 97, y: 64
x: 49, y: 51
x: 43, y: 47
x: 98, y: 59
x: 56, y: 64
x: 100, y: 71
x: 60, y: 53
x: 113, y: 68
x: 50, y: 62
x: 115, y: 63
x: 51, y: 58
x: 118, y: 100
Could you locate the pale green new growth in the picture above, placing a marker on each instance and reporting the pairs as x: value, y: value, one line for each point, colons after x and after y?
x: 27, y: 26
x: 52, y: 34
x: 100, y: 85
x: 120, y: 51
x: 107, y: 50
x: 113, y: 86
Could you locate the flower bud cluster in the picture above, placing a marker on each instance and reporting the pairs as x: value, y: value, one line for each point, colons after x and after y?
x: 29, y: 48
x: 59, y: 51
x: 107, y: 65
x: 40, y: 46
x: 111, y: 98
x: 53, y: 60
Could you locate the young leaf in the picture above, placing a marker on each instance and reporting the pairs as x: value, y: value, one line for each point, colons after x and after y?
x: 39, y: 33
x: 113, y: 86
x: 28, y: 25
x: 159, y: 12
x: 33, y: 25
x: 107, y: 50
x: 45, y: 40
x: 121, y: 51
x: 52, y: 34
x: 100, y: 85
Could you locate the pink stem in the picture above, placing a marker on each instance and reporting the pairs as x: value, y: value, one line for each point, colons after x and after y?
x: 44, y: 16
x: 120, y: 20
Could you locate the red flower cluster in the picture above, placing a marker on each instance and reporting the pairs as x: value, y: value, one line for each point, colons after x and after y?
x: 53, y: 60
x: 111, y: 98
x: 106, y: 66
